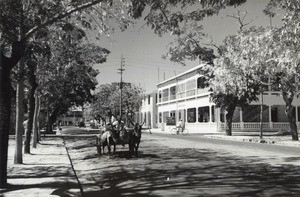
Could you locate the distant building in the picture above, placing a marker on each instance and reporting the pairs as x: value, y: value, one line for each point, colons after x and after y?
x: 181, y: 97
x: 148, y: 110
x: 73, y: 116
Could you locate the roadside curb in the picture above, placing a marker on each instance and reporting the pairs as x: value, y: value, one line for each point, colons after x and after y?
x: 274, y: 140
x: 72, y: 166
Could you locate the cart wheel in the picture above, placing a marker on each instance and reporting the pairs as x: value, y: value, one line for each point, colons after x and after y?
x: 174, y: 131
x: 185, y: 132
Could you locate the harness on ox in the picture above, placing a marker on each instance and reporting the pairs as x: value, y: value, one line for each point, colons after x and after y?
x: 107, y: 137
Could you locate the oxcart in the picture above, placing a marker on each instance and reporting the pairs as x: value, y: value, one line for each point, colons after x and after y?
x: 120, y: 136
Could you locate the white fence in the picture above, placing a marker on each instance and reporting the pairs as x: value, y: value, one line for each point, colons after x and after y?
x: 253, y: 126
x: 211, y: 127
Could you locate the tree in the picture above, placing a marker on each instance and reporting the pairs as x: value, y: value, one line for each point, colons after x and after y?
x: 173, y: 15
x: 20, y: 20
x: 31, y: 65
x: 286, y: 54
x: 188, y: 46
x: 183, y: 20
x: 71, y: 82
x: 230, y: 87
x: 108, y: 98
x: 274, y: 55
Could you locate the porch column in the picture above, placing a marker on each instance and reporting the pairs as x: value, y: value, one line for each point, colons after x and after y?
x: 218, y: 120
x: 296, y: 110
x: 241, y: 119
x: 270, y: 117
x: 210, y: 114
x: 270, y: 105
x: 297, y: 102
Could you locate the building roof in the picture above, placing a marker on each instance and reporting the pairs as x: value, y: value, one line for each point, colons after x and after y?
x: 181, y: 74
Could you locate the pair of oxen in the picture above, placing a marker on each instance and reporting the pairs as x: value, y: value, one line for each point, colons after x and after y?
x: 120, y: 135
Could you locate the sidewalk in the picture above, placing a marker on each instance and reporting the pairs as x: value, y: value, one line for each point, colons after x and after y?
x: 47, y: 171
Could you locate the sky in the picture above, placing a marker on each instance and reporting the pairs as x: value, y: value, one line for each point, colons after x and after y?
x: 142, y: 50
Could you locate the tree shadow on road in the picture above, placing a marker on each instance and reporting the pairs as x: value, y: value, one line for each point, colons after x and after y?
x: 63, y: 189
x: 164, y: 171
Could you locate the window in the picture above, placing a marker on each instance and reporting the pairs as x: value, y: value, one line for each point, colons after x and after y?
x: 165, y: 115
x: 173, y: 93
x: 160, y: 117
x: 149, y: 99
x: 201, y: 83
x: 181, y: 90
x: 298, y: 113
x: 191, y: 87
x: 159, y: 96
x: 191, y: 115
x: 142, y: 117
x: 203, y: 114
x: 172, y: 113
x: 155, y: 98
x: 165, y: 94
x: 222, y: 116
x: 274, y: 114
x: 213, y: 113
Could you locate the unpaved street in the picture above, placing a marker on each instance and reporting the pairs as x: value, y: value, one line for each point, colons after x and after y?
x: 174, y: 167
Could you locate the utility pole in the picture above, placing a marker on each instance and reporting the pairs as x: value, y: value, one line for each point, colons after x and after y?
x: 121, y: 69
x: 158, y: 74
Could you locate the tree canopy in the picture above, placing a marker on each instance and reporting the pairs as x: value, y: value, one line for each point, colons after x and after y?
x: 108, y: 98
x: 265, y: 56
x: 68, y: 76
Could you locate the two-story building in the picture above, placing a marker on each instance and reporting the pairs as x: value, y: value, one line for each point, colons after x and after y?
x: 148, y: 110
x: 181, y: 97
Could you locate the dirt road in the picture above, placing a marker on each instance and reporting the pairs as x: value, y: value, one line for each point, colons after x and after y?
x: 173, y: 167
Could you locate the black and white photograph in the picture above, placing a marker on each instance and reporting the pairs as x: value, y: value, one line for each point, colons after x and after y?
x: 187, y: 98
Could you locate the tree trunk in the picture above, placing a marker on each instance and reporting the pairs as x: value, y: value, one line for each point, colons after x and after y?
x: 51, y: 120
x: 33, y: 85
x: 36, y: 120
x: 18, y: 159
x: 230, y: 110
x: 290, y: 112
x: 5, y: 110
x: 6, y: 64
x: 30, y: 122
x: 261, y: 114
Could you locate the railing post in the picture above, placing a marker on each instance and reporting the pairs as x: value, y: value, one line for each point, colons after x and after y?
x: 242, y: 125
x: 271, y: 125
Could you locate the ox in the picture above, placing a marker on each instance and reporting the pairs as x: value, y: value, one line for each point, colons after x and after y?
x: 107, y: 138
x: 135, y: 139
x: 121, y: 136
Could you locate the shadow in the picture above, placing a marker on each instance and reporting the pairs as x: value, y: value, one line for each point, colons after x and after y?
x: 292, y: 159
x: 48, y: 144
x: 122, y: 154
x: 40, y: 171
x: 164, y: 171
x: 143, y: 155
x: 64, y: 188
x: 91, y: 156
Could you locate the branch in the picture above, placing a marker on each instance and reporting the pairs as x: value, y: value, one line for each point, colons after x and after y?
x: 214, y: 45
x: 107, y: 34
x: 162, y: 11
x: 60, y: 16
x: 194, y: 41
x: 241, y: 19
